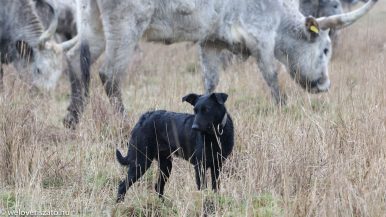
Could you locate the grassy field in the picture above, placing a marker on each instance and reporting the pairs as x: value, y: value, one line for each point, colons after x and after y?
x: 321, y: 155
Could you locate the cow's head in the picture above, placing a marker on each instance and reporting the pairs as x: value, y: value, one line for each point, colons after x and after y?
x: 306, y: 49
x: 41, y: 62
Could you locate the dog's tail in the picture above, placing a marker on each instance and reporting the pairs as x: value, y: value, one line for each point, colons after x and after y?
x: 122, y: 160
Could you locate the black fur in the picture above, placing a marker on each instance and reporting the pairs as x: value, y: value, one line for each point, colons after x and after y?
x: 122, y: 160
x: 158, y: 135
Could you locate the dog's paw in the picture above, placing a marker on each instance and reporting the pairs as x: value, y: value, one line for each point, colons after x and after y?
x: 120, y: 198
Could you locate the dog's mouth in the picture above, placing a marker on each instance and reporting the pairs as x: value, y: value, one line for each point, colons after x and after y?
x: 207, y: 129
x: 196, y: 127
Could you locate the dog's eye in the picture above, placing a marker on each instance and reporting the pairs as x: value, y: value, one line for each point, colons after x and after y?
x: 204, y: 110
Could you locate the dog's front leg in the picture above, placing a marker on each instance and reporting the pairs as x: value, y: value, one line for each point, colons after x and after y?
x: 200, y: 176
x: 200, y: 162
x: 215, y: 173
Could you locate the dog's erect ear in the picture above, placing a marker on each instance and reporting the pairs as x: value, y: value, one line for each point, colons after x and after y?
x: 221, y: 98
x: 191, y: 98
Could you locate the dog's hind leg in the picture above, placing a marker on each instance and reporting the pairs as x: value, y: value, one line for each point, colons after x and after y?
x: 135, y: 172
x: 165, y: 166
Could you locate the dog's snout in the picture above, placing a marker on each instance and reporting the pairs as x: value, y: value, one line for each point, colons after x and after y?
x: 195, y: 127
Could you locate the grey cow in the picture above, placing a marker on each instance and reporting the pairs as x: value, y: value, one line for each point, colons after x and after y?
x: 315, y: 8
x: 270, y: 31
x: 66, y: 10
x: 25, y: 44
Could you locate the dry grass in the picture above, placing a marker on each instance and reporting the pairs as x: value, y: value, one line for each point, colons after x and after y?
x: 322, y: 155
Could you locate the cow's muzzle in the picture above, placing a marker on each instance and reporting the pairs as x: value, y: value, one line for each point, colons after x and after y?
x: 320, y: 85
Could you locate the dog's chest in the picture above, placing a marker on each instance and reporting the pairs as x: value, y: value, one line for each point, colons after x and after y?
x: 195, y: 147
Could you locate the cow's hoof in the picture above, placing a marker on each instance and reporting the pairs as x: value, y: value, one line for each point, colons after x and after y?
x: 70, y: 121
x: 283, y: 100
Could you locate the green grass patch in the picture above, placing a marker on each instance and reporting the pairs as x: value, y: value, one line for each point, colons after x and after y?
x: 7, y: 200
x: 52, y: 182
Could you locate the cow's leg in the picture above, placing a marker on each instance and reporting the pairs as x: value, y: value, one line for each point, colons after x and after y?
x: 1, y: 77
x: 269, y: 66
x: 124, y: 24
x: 80, y: 58
x: 76, y: 106
x: 165, y: 167
x: 270, y: 76
x: 210, y: 57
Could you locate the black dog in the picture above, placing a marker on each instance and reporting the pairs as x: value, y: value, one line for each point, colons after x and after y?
x: 205, y: 139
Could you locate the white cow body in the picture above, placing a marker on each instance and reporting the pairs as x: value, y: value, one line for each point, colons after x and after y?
x: 269, y: 31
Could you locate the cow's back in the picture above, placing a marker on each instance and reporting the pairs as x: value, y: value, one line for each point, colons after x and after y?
x: 183, y: 20
x: 197, y: 20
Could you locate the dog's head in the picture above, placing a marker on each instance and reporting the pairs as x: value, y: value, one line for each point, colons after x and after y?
x: 209, y: 110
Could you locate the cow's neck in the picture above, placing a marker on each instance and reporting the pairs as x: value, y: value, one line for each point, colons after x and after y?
x: 29, y: 28
x: 290, y: 32
x: 292, y: 24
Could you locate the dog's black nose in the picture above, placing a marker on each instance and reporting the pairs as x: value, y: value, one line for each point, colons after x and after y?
x: 195, y: 127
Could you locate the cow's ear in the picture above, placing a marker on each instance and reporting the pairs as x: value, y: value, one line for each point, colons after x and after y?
x: 221, y: 98
x: 312, y: 26
x: 191, y: 98
x: 24, y: 50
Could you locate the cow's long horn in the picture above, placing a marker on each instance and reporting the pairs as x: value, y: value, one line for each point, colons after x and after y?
x: 343, y: 20
x: 67, y: 45
x: 46, y: 35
